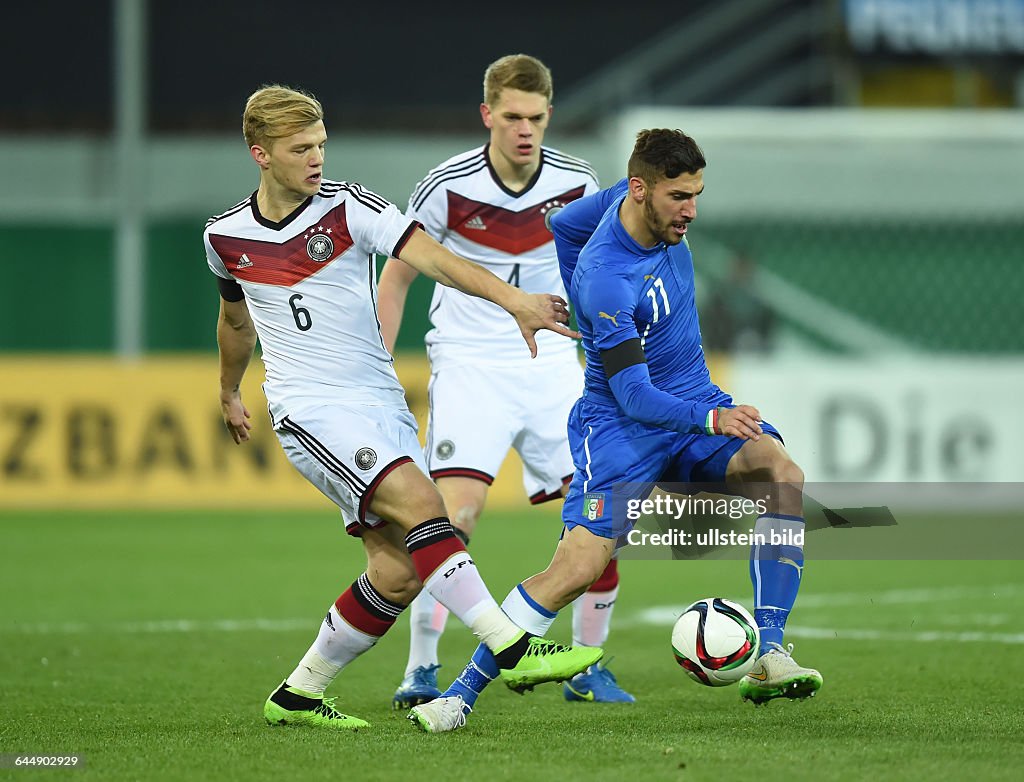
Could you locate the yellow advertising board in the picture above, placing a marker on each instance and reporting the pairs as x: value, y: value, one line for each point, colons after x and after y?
x: 100, y: 433
x: 97, y: 432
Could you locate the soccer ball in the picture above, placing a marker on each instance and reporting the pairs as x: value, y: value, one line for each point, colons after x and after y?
x: 715, y: 641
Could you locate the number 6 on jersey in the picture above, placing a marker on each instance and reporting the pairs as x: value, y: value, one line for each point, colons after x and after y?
x: 303, y: 320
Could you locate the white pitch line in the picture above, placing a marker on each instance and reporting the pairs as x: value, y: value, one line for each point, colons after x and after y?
x: 666, y: 615
x: 658, y: 616
x: 163, y: 626
x: 925, y: 636
x: 902, y: 596
x: 655, y: 615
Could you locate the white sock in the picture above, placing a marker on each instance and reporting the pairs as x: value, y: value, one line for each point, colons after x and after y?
x: 457, y: 585
x: 427, y: 618
x: 527, y: 613
x: 336, y: 645
x: 592, y: 617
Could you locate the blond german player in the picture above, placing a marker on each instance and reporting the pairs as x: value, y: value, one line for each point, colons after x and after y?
x: 294, y: 263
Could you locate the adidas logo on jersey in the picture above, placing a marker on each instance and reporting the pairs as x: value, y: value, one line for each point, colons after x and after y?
x: 476, y: 223
x: 244, y: 262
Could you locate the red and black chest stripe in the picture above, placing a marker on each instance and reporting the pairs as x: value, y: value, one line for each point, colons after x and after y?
x: 502, y: 229
x: 289, y: 262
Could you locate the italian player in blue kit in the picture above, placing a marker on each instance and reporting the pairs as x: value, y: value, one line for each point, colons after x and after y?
x: 650, y: 414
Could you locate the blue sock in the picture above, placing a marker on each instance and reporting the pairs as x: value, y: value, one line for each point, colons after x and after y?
x: 482, y: 669
x: 776, y: 569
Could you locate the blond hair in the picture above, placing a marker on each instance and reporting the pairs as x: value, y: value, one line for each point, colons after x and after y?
x: 516, y: 72
x: 275, y: 111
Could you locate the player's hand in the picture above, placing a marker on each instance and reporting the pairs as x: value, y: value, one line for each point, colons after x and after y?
x: 742, y: 421
x: 236, y: 416
x: 536, y: 311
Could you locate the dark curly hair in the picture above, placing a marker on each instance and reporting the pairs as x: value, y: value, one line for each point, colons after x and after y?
x: 664, y: 154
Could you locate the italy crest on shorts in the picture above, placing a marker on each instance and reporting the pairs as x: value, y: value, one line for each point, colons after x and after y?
x: 593, y: 505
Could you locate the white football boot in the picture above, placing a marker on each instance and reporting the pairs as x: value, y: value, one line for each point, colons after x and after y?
x: 777, y: 675
x: 439, y: 715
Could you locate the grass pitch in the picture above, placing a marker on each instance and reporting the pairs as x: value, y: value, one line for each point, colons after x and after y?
x: 147, y: 642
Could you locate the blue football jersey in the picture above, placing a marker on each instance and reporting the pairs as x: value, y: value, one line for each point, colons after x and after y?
x: 621, y: 290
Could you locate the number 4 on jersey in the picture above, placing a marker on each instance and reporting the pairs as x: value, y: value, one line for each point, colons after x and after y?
x: 513, y: 278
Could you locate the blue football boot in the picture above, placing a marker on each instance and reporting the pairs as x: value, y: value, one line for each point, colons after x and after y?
x: 418, y: 687
x: 596, y: 684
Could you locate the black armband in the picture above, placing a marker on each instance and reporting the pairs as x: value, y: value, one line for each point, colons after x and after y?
x: 230, y: 290
x: 622, y: 356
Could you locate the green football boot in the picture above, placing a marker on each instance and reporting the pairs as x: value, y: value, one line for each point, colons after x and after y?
x: 291, y: 706
x: 548, y: 661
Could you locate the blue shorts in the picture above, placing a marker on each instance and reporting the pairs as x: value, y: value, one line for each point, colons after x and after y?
x: 608, y: 448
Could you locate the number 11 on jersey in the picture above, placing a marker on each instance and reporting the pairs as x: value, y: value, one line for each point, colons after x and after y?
x: 654, y: 299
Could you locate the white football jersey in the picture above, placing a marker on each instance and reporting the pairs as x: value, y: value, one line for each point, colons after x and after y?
x: 465, y: 206
x: 311, y: 287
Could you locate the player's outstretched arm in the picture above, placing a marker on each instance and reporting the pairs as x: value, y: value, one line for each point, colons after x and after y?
x: 236, y: 340
x: 532, y: 311
x: 392, y: 290
x: 631, y: 385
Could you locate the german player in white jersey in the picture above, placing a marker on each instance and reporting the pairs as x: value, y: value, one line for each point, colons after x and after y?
x: 491, y: 205
x: 295, y: 266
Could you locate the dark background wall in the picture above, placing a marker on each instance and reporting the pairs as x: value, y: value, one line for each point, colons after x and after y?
x: 406, y: 64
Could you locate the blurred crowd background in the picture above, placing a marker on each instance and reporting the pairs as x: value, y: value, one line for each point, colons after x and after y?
x: 859, y: 248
